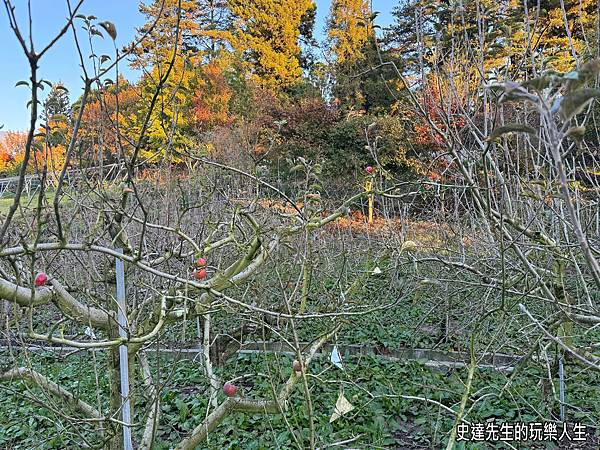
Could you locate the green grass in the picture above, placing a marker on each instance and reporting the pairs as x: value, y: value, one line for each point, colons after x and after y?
x: 27, y: 202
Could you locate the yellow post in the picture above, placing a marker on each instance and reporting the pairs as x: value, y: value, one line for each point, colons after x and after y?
x: 368, y: 187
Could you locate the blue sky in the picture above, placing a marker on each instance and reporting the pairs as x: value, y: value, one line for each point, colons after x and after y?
x: 61, y: 62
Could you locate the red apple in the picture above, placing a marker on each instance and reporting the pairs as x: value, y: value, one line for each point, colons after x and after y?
x: 229, y: 389
x: 297, y: 366
x: 370, y: 170
x: 41, y: 279
x: 201, y: 262
x: 200, y: 275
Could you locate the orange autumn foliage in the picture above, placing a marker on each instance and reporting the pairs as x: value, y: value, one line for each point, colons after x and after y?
x: 444, y: 104
x: 435, y: 100
x: 111, y: 113
x: 50, y: 145
x: 47, y: 151
x: 12, y: 148
x: 211, y: 100
x: 429, y: 236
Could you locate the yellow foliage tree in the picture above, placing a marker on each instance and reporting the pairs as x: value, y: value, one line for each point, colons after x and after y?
x: 266, y: 33
x: 513, y: 38
x: 171, y: 58
x: 50, y: 147
x: 169, y: 129
x: 560, y: 36
x: 167, y: 26
x: 349, y: 29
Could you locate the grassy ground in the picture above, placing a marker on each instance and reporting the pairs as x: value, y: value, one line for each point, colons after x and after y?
x: 27, y: 202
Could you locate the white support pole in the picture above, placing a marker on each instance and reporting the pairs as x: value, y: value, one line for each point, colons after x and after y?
x: 561, y: 391
x: 123, y: 358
